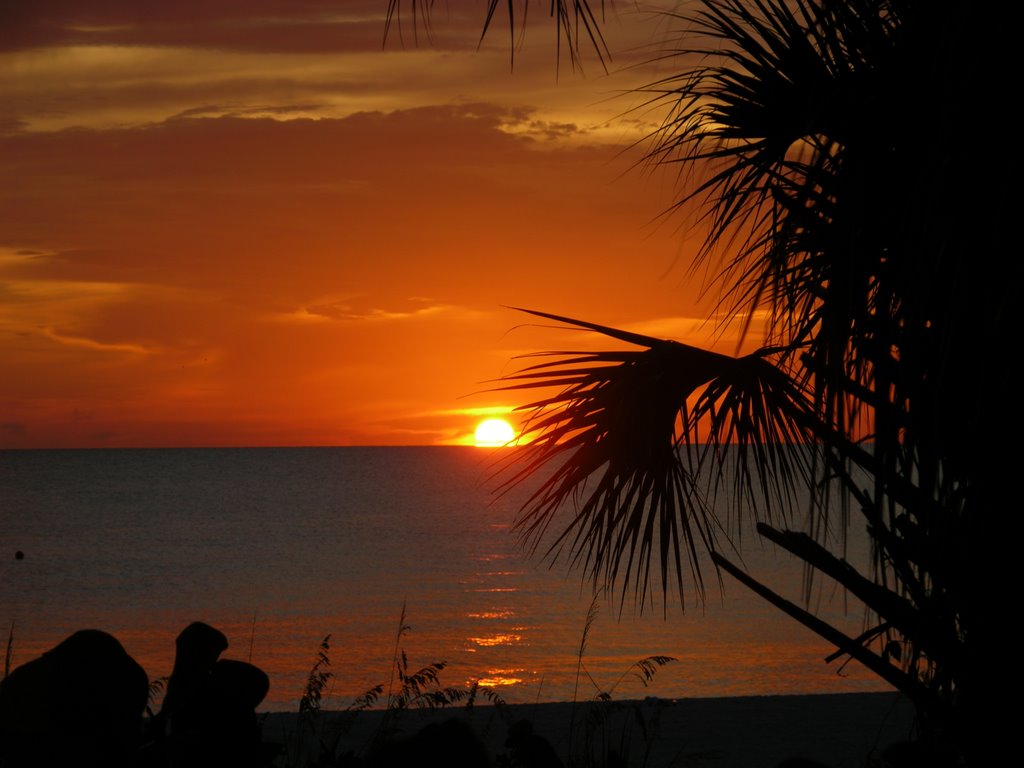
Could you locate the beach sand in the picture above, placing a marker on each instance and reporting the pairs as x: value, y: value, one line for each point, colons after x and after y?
x: 837, y: 730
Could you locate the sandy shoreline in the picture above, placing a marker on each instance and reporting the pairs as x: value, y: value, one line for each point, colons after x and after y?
x: 838, y: 730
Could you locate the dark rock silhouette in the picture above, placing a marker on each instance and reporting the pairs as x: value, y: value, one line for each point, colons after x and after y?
x: 208, y: 717
x: 80, y: 703
x: 529, y: 749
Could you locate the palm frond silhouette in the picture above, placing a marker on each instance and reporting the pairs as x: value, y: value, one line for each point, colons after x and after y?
x: 825, y: 147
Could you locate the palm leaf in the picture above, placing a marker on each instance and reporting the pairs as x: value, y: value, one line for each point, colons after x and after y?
x: 623, y: 430
x: 577, y: 25
x: 786, y: 88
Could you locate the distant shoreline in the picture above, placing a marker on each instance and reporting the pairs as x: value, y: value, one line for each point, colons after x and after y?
x: 838, y: 730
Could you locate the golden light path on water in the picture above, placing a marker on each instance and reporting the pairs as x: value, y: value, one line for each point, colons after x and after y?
x: 281, y: 549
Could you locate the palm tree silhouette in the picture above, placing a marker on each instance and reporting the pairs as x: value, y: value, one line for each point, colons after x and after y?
x: 823, y: 143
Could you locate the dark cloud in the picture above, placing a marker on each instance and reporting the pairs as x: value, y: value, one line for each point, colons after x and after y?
x: 226, y: 110
x: 11, y: 125
x: 399, y: 201
x: 323, y: 27
x: 269, y: 26
x: 230, y: 149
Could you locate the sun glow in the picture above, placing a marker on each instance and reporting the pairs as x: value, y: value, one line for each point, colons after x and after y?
x: 494, y: 432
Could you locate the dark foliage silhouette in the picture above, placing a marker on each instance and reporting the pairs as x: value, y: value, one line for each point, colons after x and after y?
x: 450, y: 742
x: 81, y: 703
x: 528, y: 749
x: 826, y: 149
x: 208, y: 716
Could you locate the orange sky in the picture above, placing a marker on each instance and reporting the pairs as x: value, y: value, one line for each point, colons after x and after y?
x: 254, y: 225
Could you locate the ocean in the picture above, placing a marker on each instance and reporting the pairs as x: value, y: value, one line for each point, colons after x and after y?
x: 382, y: 552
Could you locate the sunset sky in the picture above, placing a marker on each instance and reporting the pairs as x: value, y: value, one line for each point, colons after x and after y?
x: 251, y: 223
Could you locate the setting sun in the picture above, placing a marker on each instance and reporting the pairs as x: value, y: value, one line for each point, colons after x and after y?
x: 494, y: 432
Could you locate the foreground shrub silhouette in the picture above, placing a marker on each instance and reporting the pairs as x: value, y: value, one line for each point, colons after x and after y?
x: 528, y: 749
x: 81, y: 703
x: 208, y: 716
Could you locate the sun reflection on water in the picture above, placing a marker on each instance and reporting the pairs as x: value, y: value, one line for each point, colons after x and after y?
x: 506, y: 613
x: 499, y: 677
x: 495, y: 640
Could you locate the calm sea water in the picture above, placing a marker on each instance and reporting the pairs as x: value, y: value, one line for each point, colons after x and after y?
x: 279, y: 548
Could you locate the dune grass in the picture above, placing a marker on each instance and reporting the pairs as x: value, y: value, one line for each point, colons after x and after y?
x: 9, y: 651
x: 598, y: 735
